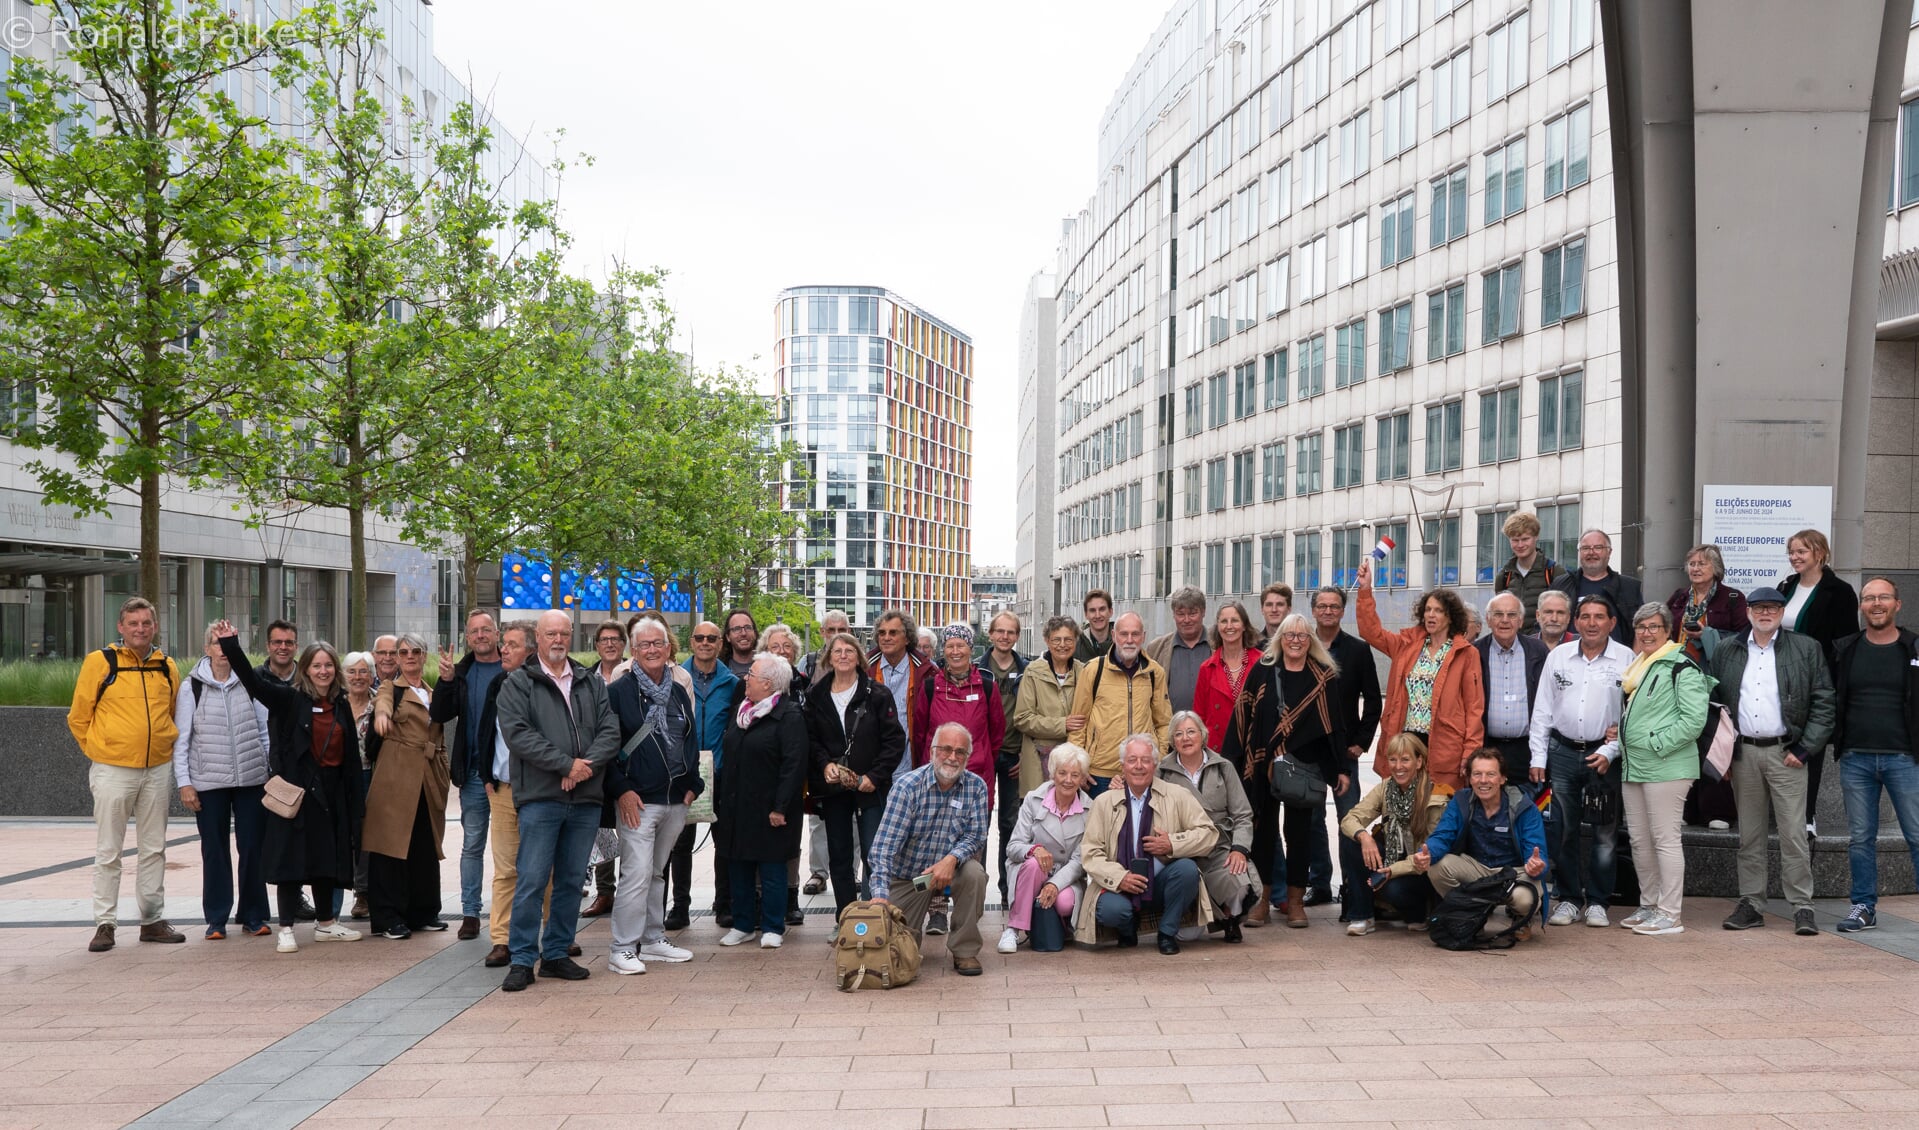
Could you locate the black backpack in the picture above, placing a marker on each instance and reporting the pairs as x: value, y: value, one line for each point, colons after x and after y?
x: 1462, y: 914
x: 112, y: 656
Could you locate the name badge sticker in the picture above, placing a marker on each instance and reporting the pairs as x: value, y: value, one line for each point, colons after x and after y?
x: 955, y: 804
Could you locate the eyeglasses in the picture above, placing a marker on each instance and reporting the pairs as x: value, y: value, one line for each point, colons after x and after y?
x: 889, y: 632
x: 705, y: 637
x: 408, y: 651
x: 604, y: 640
x: 1296, y: 637
x: 950, y: 750
x: 649, y: 643
x: 1878, y: 598
x: 741, y: 628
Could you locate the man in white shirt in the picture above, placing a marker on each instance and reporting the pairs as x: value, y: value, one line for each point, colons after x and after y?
x: 1573, y: 749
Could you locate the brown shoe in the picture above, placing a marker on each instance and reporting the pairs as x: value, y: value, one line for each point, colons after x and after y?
x: 573, y: 950
x: 1296, y: 908
x: 1262, y: 909
x: 498, y: 957
x: 359, y: 911
x: 600, y: 906
x: 469, y: 928
x: 161, y: 932
x: 102, y: 938
x: 967, y: 966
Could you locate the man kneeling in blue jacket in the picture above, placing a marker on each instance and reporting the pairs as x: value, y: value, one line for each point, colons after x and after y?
x: 1486, y: 829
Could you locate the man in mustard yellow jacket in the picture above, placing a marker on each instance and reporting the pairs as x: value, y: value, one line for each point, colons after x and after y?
x: 122, y: 716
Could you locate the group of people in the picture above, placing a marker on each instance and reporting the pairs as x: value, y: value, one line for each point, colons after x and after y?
x: 1178, y: 784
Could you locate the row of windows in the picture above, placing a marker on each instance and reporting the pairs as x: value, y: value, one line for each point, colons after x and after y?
x: 1112, y: 512
x: 1108, y: 447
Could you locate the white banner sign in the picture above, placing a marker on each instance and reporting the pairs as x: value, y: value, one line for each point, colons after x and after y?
x: 1750, y: 526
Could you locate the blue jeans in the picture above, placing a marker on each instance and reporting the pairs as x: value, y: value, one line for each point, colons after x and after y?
x: 1097, y: 785
x: 237, y: 809
x: 1174, y: 889
x: 767, y: 905
x: 1862, y: 775
x: 475, y: 812
x: 1583, y: 878
x: 555, y: 839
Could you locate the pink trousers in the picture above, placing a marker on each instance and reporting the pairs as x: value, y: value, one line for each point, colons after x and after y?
x: 1026, y: 884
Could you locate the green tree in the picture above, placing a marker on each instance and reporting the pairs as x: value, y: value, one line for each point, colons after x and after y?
x: 138, y: 299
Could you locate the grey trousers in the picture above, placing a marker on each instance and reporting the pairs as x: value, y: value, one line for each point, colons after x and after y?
x: 969, y: 900
x: 639, y: 904
x: 1761, y: 778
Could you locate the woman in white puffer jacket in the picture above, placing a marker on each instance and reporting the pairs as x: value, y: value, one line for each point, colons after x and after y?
x: 220, y: 766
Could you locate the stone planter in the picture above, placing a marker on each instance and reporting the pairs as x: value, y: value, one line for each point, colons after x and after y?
x: 42, y: 772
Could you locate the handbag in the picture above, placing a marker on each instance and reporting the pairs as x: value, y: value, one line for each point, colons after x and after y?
x: 1599, y: 805
x: 282, y: 797
x: 874, y: 948
x: 1294, y: 783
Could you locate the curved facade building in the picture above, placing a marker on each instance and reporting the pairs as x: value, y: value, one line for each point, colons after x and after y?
x: 1347, y: 272
x: 878, y: 395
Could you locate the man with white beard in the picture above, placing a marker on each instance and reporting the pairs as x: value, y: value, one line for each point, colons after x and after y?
x: 935, y: 826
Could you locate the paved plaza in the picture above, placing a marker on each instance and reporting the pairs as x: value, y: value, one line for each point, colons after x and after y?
x: 1588, y: 1027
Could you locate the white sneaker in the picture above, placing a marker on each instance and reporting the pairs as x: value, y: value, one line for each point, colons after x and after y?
x: 1596, y: 916
x: 736, y: 935
x: 1564, y: 914
x: 624, y: 961
x: 1659, y: 925
x: 664, y: 950
x: 1636, y: 917
x: 1719, y: 825
x: 1009, y: 940
x: 771, y: 941
x: 286, y: 943
x: 335, y: 932
x: 1359, y: 927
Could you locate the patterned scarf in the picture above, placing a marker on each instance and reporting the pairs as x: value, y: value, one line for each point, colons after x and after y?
x: 751, y: 712
x: 1125, y: 853
x: 655, y: 696
x: 1396, y: 814
x: 1696, y: 606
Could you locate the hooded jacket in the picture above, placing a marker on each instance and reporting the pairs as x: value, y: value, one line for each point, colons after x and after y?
x: 223, y: 738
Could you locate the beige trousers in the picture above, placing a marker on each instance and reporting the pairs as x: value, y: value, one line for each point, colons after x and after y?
x: 141, y: 795
x: 504, y: 833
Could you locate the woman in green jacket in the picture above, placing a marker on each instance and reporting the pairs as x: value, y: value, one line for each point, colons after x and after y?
x: 1667, y: 696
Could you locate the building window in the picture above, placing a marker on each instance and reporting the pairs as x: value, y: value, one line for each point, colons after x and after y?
x: 1905, y: 176
x: 823, y: 315
x: 1193, y: 328
x: 1218, y: 406
x: 1392, y: 573
x: 19, y: 407
x: 1216, y: 567
x: 1218, y: 327
x: 1396, y: 338
x: 1491, y: 548
x: 1501, y: 291
x: 1394, y: 442
x: 1568, y: 150
x: 1273, y: 378
x: 1272, y: 559
x: 1349, y: 354
x: 1195, y: 246
x: 1443, y: 437
x: 1506, y: 180
x: 1507, y: 47
x: 1452, y: 90
x: 1399, y: 121
x: 1272, y: 478
x: 1396, y: 231
x: 1195, y: 408
x: 1276, y: 102
x: 1562, y: 284
x: 1277, y: 284
x: 1355, y: 45
x: 1355, y: 146
x: 1245, y: 478
x: 1312, y: 366
x: 1446, y: 322
x: 1308, y: 454
x: 1348, y: 550
x: 1305, y: 562
x: 1449, y: 207
x: 1245, y: 389
x: 1569, y: 29
x: 1559, y: 531
x: 1401, y: 20
x: 862, y: 315
x: 1215, y: 484
x: 1499, y: 425
x: 1192, y: 489
x: 1246, y: 214
x: 1445, y: 533
x: 1243, y: 566
x: 1190, y: 565
x: 1312, y: 269
x: 1218, y: 237
x: 1349, y: 250
x: 1245, y: 302
x: 1349, y: 454
x: 1314, y: 79
x: 1279, y: 192
x: 1313, y: 176
x: 1562, y: 412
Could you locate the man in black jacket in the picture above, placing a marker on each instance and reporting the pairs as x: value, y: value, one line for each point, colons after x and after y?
x: 1876, y: 681
x: 1509, y: 669
x: 516, y: 644
x: 653, y: 779
x: 560, y: 737
x: 1357, y: 698
x: 1596, y: 575
x: 458, y: 697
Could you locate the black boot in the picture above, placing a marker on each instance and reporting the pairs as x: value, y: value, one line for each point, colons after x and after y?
x: 794, y: 915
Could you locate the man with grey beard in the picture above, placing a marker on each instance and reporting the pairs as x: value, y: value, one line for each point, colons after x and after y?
x: 935, y: 826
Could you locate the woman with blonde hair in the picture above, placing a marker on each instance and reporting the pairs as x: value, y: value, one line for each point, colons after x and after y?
x: 1820, y: 604
x: 1389, y: 824
x: 406, y: 802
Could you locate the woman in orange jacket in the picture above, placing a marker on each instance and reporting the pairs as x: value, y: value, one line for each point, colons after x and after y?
x: 1434, y: 688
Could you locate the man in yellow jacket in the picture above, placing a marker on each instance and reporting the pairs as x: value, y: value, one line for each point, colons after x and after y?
x: 1120, y: 693
x: 122, y: 716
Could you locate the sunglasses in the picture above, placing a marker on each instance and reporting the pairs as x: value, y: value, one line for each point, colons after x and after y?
x: 411, y: 651
x: 706, y: 638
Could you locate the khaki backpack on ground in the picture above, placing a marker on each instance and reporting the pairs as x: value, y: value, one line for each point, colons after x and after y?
x: 874, y: 949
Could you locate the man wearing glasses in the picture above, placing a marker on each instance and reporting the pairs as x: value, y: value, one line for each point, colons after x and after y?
x: 386, y: 660
x: 1877, y: 678
x: 460, y: 695
x: 1357, y: 698
x: 931, y: 838
x: 1596, y: 576
x: 896, y: 666
x: 742, y: 640
x: 716, y: 694
x: 609, y: 643
x: 283, y: 639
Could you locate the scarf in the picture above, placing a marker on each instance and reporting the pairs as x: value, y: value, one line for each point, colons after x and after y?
x: 1125, y: 853
x: 1396, y: 814
x: 654, y: 696
x: 1696, y: 608
x: 751, y: 712
x: 1643, y: 663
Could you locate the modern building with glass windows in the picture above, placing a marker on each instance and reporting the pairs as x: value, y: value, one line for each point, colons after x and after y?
x: 63, y: 576
x: 1347, y: 272
x: 877, y: 394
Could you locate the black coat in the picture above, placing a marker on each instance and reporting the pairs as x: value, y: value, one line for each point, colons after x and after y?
x: 660, y: 770
x: 1624, y: 592
x: 1535, y: 651
x: 1357, y: 695
x: 762, y: 771
x: 318, y: 843
x: 877, y: 744
x: 1831, y: 613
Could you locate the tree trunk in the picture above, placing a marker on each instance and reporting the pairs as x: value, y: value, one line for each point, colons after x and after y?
x: 613, y: 593
x: 356, y: 538
x: 470, y: 571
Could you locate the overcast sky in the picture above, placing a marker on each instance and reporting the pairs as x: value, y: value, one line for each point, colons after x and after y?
x: 931, y: 148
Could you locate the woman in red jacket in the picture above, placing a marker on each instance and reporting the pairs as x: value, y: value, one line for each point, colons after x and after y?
x: 1434, y: 688
x: 1224, y: 671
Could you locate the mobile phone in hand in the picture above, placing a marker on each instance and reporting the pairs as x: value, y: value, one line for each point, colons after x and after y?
x: 1143, y: 867
x: 923, y: 881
